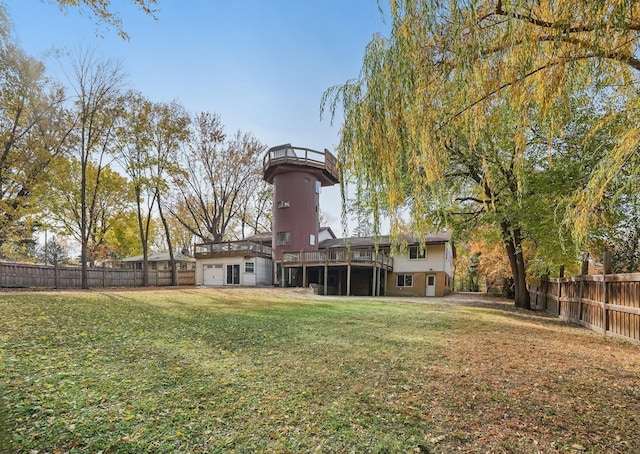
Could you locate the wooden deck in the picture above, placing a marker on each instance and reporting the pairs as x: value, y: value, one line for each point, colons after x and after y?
x: 288, y: 155
x: 337, y: 257
x: 231, y: 249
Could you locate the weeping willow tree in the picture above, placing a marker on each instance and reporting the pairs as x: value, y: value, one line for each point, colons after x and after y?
x: 446, y: 108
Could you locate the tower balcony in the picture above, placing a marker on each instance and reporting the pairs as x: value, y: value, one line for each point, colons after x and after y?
x: 287, y: 158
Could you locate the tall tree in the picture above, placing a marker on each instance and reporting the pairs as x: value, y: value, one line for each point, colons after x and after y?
x: 97, y: 103
x: 452, y: 74
x: 220, y: 174
x: 32, y: 132
x: 169, y: 132
x: 136, y: 158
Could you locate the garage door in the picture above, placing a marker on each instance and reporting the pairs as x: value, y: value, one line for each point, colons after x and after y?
x: 213, y: 275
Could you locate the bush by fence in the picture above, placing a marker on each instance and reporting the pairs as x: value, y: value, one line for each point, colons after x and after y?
x: 17, y: 275
x: 609, y: 304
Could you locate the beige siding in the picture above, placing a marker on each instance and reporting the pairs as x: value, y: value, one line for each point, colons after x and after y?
x: 419, y: 287
x: 434, y: 261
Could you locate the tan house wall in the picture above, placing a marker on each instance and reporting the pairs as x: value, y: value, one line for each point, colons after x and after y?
x: 419, y: 287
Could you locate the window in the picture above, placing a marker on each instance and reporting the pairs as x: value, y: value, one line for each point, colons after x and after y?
x: 283, y: 238
x: 404, y: 280
x: 318, y: 186
x: 312, y: 239
x: 415, y: 253
x: 284, y: 204
x: 249, y: 267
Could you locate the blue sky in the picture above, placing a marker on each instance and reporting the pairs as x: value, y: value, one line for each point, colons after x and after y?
x: 262, y: 65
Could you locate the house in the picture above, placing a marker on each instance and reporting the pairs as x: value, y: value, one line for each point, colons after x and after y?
x: 160, y: 261
x: 300, y: 253
x: 409, y: 268
x: 243, y: 263
x: 423, y: 268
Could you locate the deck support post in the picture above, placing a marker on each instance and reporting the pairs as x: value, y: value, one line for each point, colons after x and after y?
x: 349, y: 278
x: 373, y: 284
x: 326, y: 272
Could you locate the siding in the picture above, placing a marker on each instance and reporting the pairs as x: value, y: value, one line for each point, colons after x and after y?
x: 260, y: 277
x: 419, y: 284
x: 435, y: 261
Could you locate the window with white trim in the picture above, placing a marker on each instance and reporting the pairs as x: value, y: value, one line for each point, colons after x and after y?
x: 415, y: 253
x: 312, y: 239
x: 284, y: 204
x: 404, y: 280
x: 249, y: 267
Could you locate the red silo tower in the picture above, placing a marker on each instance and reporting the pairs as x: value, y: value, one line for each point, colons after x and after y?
x: 297, y: 174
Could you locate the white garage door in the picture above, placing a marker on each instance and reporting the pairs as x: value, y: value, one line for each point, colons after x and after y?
x: 213, y: 275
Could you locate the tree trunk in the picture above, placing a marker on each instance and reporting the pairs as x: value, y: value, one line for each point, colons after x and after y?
x: 513, y: 244
x: 84, y: 235
x: 167, y: 232
x: 145, y: 265
x: 143, y: 240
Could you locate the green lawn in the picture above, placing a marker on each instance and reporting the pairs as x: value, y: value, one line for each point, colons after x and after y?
x: 215, y: 371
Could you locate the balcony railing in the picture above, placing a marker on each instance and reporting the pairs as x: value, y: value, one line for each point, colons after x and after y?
x: 288, y: 154
x: 232, y: 248
x: 338, y: 256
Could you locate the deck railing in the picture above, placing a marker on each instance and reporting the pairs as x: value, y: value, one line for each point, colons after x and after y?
x: 231, y: 247
x: 300, y: 156
x: 334, y: 256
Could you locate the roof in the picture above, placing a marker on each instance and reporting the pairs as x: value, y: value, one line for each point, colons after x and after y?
x: 328, y: 230
x: 262, y: 237
x: 161, y: 257
x: 384, y: 240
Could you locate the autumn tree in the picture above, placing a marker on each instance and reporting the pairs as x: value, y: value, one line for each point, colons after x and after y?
x: 109, y: 196
x: 221, y: 173
x: 32, y: 134
x: 133, y: 136
x: 465, y: 84
x: 169, y: 133
x: 97, y: 106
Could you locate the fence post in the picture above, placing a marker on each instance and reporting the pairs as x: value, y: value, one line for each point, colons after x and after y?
x: 606, y: 269
x: 583, y: 272
x: 560, y: 277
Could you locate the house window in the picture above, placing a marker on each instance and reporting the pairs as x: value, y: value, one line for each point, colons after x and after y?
x: 415, y: 253
x: 318, y: 186
x: 249, y: 267
x: 312, y: 239
x: 283, y: 238
x: 284, y: 204
x: 404, y: 280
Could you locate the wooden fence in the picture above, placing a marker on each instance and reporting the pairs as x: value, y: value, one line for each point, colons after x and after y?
x: 17, y: 275
x: 609, y: 304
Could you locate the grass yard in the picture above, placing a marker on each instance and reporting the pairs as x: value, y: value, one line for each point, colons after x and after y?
x: 274, y: 371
